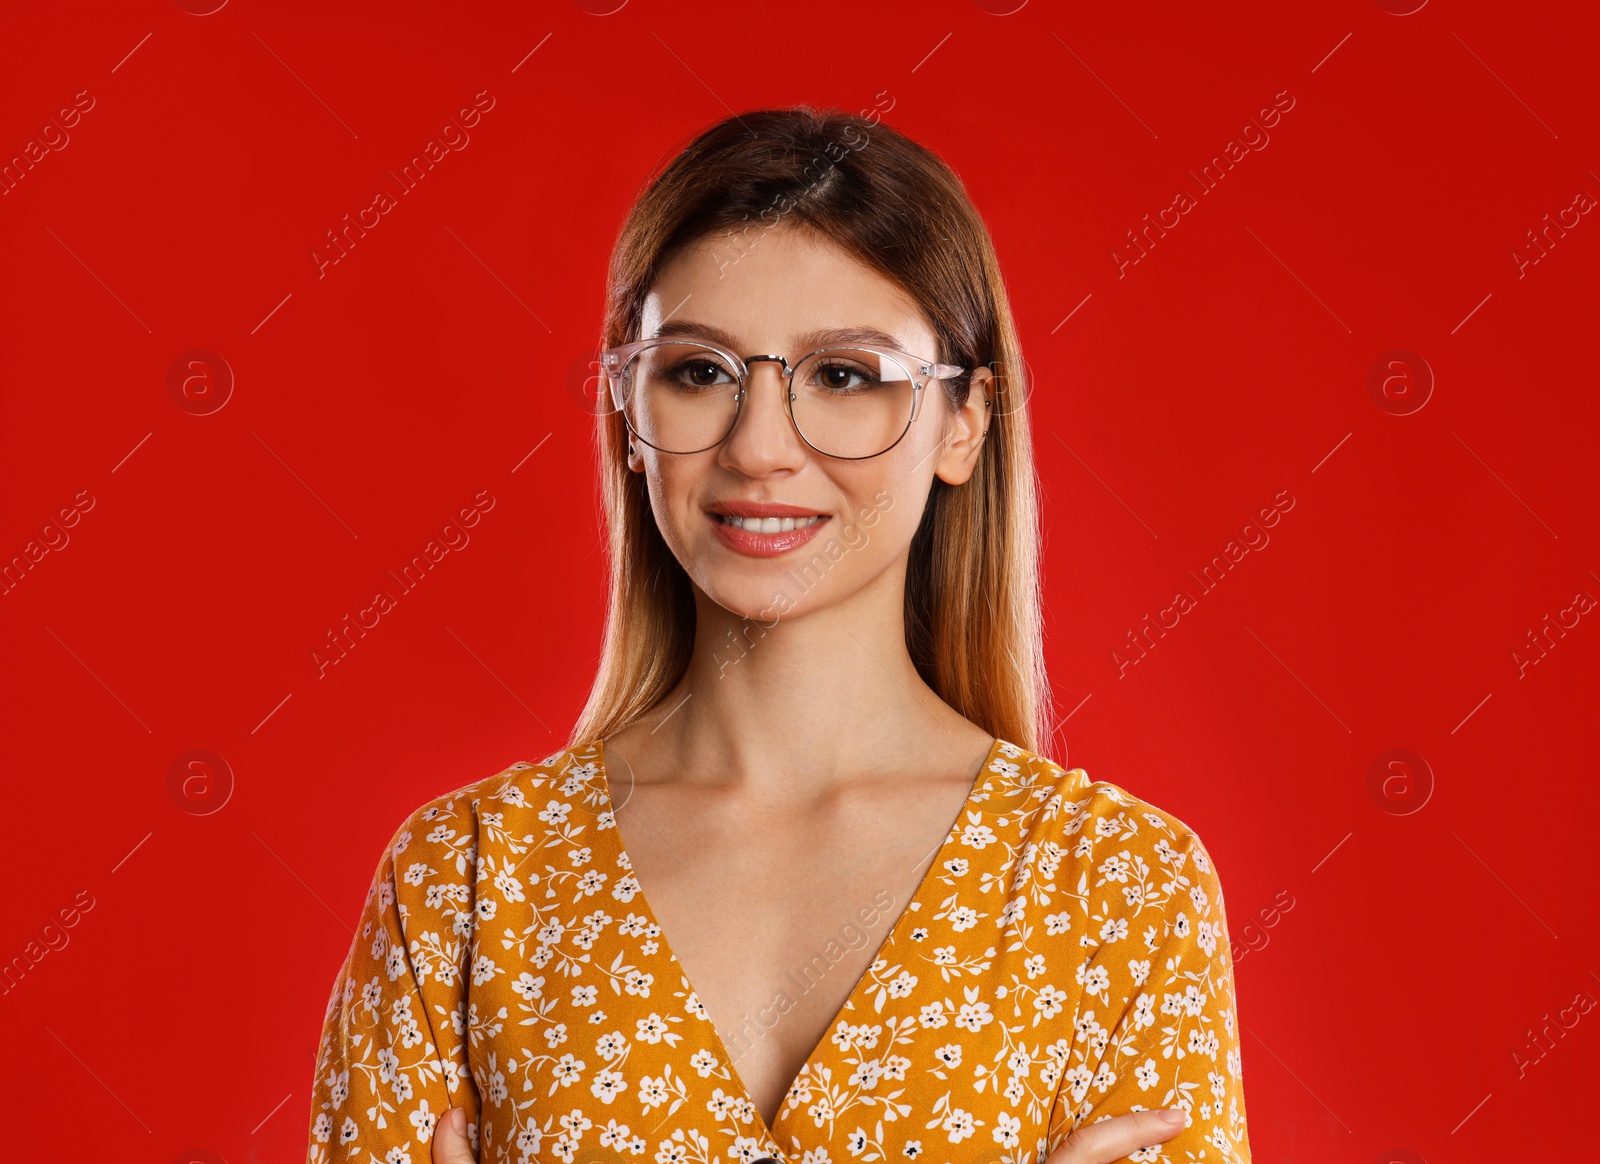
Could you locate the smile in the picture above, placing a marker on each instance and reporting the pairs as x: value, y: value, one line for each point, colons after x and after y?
x: 769, y: 525
x: 765, y: 537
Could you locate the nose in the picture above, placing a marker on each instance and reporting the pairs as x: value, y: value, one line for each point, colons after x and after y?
x: 764, y: 438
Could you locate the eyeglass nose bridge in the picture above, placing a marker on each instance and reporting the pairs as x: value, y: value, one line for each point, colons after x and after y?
x: 787, y: 376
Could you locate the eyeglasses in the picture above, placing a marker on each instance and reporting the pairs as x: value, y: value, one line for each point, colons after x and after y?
x: 851, y: 403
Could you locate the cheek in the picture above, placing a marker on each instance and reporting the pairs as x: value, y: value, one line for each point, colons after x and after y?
x: 881, y: 525
x: 670, y: 489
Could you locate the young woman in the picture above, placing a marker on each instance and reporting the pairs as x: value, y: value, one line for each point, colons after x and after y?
x: 800, y: 888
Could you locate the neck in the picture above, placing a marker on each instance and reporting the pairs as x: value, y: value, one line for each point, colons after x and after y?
x: 805, y: 700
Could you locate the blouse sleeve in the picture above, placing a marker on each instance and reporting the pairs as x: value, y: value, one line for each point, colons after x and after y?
x: 393, y: 1055
x: 1158, y: 1025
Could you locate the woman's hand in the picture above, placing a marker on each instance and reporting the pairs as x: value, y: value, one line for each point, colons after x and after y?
x: 1102, y: 1142
x: 1099, y: 1143
x: 450, y: 1143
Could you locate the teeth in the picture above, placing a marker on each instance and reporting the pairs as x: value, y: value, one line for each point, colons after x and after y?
x: 769, y: 525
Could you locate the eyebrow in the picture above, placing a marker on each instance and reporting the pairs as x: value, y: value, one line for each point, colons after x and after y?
x: 806, y: 342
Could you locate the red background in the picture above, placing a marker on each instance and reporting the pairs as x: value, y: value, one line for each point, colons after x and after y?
x: 1383, y: 1010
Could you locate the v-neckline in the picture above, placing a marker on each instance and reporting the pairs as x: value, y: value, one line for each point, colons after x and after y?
x: 641, y: 902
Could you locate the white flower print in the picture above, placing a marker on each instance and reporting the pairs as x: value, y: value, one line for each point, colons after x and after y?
x: 977, y: 836
x: 1006, y: 1130
x: 1065, y: 959
x: 1050, y: 1001
x: 1144, y: 1011
x: 973, y: 1016
x: 963, y: 918
x: 423, y: 1120
x: 607, y: 1084
x: 510, y: 888
x: 1115, y: 868
x: 959, y: 1124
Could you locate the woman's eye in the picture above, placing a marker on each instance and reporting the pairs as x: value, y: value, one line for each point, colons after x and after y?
x: 839, y: 377
x: 700, y: 374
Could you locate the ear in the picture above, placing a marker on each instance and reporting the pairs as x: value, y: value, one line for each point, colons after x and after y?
x: 965, y: 431
x: 635, y: 459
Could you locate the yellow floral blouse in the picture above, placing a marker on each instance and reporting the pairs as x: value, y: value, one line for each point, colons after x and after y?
x: 1065, y: 959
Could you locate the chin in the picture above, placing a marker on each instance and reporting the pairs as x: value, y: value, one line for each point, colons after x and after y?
x: 764, y: 602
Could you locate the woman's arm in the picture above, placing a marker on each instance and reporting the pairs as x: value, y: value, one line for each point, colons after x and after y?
x: 393, y: 1056
x: 1158, y: 1025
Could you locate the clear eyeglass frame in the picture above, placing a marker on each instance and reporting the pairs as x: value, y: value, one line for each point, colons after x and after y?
x: 614, y: 360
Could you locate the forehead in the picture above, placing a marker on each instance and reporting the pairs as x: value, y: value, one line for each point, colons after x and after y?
x: 777, y: 291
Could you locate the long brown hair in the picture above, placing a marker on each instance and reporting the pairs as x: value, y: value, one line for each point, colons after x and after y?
x: 972, y: 601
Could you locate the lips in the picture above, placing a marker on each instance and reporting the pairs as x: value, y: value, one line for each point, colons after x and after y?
x: 772, y: 539
x: 761, y: 509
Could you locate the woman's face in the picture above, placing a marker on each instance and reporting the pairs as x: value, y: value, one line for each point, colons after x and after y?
x: 771, y: 297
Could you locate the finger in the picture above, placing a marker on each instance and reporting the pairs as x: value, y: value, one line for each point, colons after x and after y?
x: 450, y: 1143
x: 1109, y: 1140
